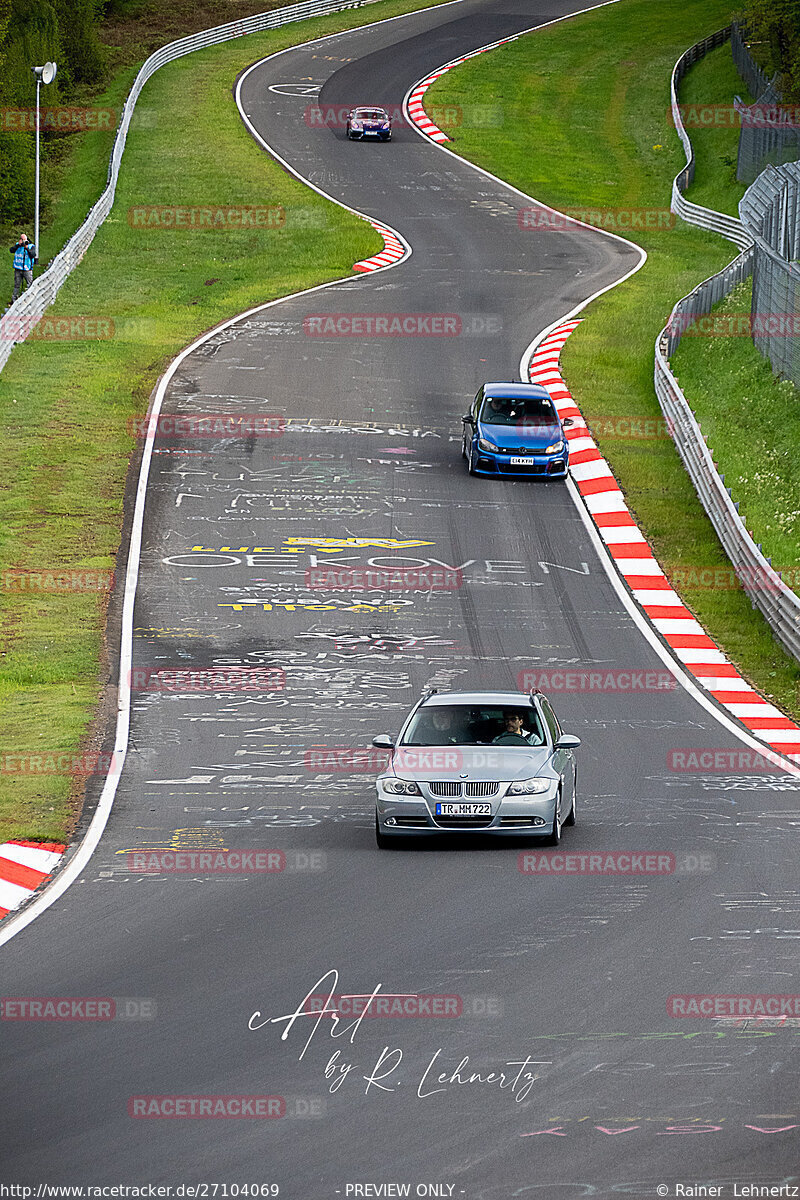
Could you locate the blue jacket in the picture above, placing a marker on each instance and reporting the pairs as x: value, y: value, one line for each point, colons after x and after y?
x: 24, y: 256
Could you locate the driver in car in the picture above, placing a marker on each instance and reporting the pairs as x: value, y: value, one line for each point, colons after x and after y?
x: 514, y: 731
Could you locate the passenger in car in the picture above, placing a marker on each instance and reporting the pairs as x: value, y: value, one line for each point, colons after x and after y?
x: 440, y: 728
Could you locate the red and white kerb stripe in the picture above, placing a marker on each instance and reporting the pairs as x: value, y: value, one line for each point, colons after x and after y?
x: 417, y: 112
x: 393, y: 250
x: 636, y: 563
x: 23, y: 866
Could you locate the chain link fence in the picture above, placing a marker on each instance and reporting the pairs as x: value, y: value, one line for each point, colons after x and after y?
x: 770, y: 129
x: 765, y: 215
x: 21, y: 317
x: 770, y: 212
x: 757, y: 81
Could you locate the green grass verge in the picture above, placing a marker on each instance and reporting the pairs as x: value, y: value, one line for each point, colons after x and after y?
x: 64, y: 407
x: 585, y: 124
x: 750, y: 418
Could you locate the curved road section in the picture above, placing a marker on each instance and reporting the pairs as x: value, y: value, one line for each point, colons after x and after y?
x: 525, y: 1042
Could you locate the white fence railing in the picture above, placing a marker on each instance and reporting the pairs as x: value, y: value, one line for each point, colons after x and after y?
x: 23, y: 314
x: 763, y: 585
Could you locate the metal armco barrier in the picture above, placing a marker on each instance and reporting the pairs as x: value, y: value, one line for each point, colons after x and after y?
x: 22, y: 316
x: 763, y: 585
x: 695, y: 214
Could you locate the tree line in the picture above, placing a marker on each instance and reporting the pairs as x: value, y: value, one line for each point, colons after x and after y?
x: 774, y: 27
x: 33, y: 32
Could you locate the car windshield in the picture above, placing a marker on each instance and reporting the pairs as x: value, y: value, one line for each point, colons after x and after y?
x: 371, y: 114
x: 531, y: 411
x: 471, y: 725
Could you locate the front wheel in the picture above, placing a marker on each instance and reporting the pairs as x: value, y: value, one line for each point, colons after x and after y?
x: 570, y: 820
x: 555, y: 833
x: 469, y: 457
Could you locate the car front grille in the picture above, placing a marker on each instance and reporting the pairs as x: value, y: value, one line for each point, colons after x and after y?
x: 483, y: 788
x: 445, y: 789
x: 533, y: 468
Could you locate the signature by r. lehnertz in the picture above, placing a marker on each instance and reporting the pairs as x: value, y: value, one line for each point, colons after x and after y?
x: 516, y: 1077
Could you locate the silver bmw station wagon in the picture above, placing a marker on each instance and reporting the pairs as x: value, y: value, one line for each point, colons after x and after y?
x: 492, y: 762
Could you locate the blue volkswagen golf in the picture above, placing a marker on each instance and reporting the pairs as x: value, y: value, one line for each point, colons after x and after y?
x: 514, y: 430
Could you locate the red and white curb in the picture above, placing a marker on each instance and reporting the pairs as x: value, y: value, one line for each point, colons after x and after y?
x: 636, y: 563
x: 417, y: 112
x: 414, y: 105
x: 393, y: 251
x: 23, y: 866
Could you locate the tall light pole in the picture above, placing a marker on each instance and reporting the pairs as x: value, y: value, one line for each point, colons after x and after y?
x: 45, y: 74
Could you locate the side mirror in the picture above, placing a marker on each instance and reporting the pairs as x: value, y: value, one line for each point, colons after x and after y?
x: 567, y: 422
x: 384, y: 741
x: 467, y: 417
x: 568, y: 741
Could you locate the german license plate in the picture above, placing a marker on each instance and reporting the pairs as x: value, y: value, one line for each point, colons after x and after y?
x: 521, y: 462
x: 464, y: 810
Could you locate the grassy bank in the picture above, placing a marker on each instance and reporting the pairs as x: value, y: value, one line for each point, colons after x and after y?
x: 64, y: 406
x: 750, y: 418
x: 585, y: 124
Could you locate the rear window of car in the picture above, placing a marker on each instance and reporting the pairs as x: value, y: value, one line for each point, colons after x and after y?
x: 468, y: 725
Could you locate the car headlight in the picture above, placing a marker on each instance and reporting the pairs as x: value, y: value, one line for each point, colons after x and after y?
x: 529, y: 787
x: 385, y: 125
x: 484, y: 445
x: 355, y: 124
x: 554, y: 449
x: 401, y: 787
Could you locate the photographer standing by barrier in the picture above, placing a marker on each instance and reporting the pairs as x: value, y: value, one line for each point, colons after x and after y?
x: 24, y: 258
